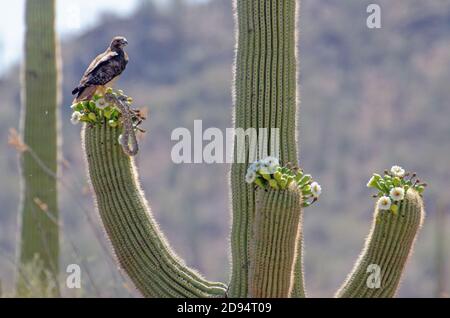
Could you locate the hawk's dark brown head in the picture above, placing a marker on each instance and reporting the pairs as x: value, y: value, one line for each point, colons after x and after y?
x: 118, y: 43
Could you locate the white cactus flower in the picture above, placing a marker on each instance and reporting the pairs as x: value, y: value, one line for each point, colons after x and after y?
x: 250, y: 177
x: 384, y: 203
x: 254, y: 166
x: 75, y: 119
x: 397, y: 171
x: 316, y: 189
x: 269, y: 165
x: 101, y: 103
x: 397, y: 194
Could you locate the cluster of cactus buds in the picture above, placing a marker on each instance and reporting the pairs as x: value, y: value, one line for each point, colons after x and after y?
x: 96, y: 111
x: 392, y: 187
x: 268, y: 173
x: 101, y: 108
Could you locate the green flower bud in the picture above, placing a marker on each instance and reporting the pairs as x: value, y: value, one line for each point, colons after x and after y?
x: 283, y: 183
x: 109, y: 90
x: 273, y: 183
x: 112, y: 123
x: 373, y: 182
x: 260, y: 182
x: 383, y: 187
x: 298, y: 176
x: 115, y: 113
x: 304, y: 180
x: 92, y: 116
x: 420, y: 189
x: 397, y: 181
x: 278, y: 175
x: 306, y: 191
x: 107, y: 114
x: 86, y: 104
x: 290, y: 179
x: 306, y: 204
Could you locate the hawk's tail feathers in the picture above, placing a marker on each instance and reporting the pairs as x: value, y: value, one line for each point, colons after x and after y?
x: 76, y: 90
x: 84, y: 93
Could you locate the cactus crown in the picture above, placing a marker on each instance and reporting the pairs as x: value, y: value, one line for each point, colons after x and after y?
x: 267, y: 173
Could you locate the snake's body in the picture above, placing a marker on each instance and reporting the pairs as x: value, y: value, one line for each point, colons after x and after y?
x: 128, y: 139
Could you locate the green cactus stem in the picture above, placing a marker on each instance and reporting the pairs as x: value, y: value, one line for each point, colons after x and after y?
x: 274, y: 242
x: 39, y: 126
x: 265, y: 96
x: 387, y: 248
x: 138, y: 243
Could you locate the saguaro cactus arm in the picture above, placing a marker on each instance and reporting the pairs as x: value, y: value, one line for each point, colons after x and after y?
x: 378, y: 270
x: 277, y: 229
x: 398, y: 216
x: 265, y: 96
x: 274, y: 242
x: 39, y: 127
x: 138, y: 243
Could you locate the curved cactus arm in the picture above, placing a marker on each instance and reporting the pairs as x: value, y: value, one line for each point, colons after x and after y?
x: 40, y: 131
x: 138, y: 243
x: 378, y: 271
x: 274, y: 242
x: 265, y: 96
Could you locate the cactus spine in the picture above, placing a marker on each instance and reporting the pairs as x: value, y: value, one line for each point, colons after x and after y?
x: 39, y: 206
x: 266, y: 236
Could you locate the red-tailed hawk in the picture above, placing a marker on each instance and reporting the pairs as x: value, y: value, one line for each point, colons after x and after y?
x: 103, y: 70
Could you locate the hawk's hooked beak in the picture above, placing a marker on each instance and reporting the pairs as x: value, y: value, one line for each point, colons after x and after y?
x: 124, y: 42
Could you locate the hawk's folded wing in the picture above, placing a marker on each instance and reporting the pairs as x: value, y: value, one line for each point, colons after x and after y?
x: 97, y: 63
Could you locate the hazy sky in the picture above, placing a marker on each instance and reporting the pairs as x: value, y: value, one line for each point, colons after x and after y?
x: 68, y: 22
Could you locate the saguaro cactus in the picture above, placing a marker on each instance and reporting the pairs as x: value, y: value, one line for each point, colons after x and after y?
x: 39, y: 126
x: 268, y: 195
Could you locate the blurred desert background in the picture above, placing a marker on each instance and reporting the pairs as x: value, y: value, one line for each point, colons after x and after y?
x: 369, y: 99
